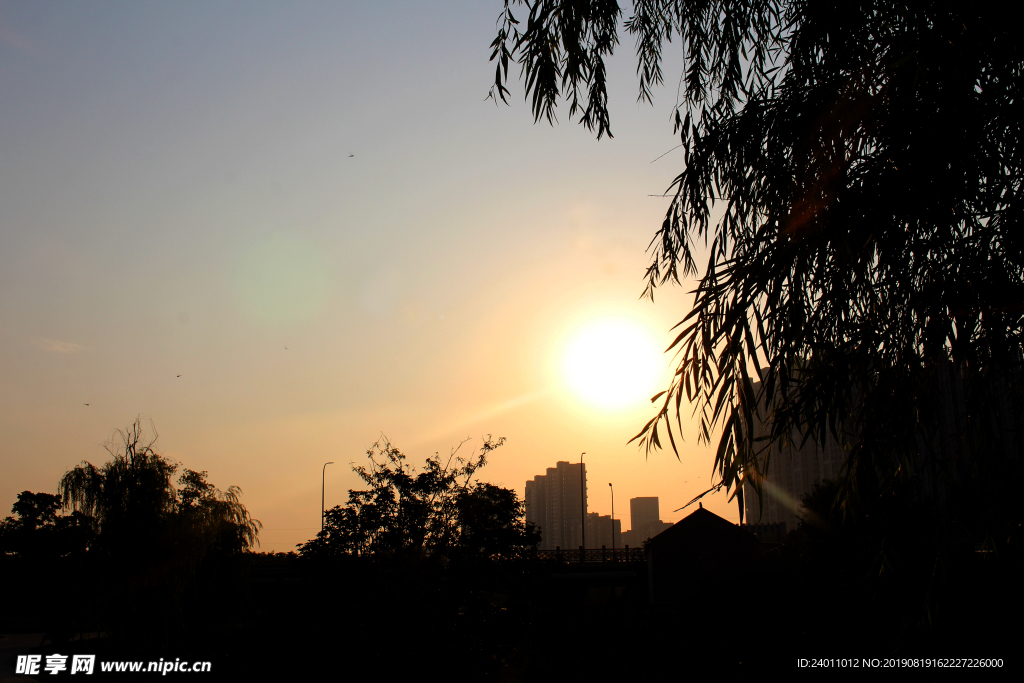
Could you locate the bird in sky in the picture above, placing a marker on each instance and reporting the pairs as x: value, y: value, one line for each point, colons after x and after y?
x: 86, y: 404
x: 177, y: 375
x: 351, y: 155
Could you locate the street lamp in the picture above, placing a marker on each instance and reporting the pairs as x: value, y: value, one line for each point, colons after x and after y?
x: 583, y: 508
x: 323, y: 480
x: 612, y: 489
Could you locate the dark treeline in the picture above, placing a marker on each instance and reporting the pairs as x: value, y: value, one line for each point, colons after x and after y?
x: 431, y: 572
x: 129, y: 549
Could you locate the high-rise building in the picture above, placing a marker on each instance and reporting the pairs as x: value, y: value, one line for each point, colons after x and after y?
x: 793, y: 471
x: 944, y: 449
x: 601, y: 531
x: 556, y: 502
x: 645, y: 520
x: 644, y: 512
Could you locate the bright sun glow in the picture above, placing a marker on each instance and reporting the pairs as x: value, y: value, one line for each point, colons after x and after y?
x: 612, y: 363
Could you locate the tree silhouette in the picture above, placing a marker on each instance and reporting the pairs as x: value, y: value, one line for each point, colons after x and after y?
x: 41, y: 549
x: 39, y: 533
x: 491, y: 523
x: 154, y: 540
x: 854, y: 171
x: 212, y: 518
x: 135, y: 504
x: 438, y: 510
x: 131, y: 496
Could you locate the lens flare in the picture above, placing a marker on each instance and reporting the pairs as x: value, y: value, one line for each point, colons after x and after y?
x: 282, y: 279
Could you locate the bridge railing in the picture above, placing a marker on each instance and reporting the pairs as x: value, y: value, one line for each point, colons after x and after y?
x: 602, y: 554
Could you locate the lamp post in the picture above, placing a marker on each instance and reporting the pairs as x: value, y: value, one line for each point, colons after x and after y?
x: 612, y: 489
x: 323, y: 483
x: 583, y: 508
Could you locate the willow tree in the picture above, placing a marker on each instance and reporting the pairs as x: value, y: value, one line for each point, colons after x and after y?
x: 133, y: 499
x: 854, y: 172
x: 154, y: 539
x: 131, y: 496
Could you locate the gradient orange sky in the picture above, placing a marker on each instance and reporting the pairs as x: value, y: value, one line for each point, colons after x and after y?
x: 178, y: 198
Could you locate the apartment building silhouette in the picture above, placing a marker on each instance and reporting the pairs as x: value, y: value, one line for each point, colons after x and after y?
x: 793, y: 471
x: 645, y: 521
x: 557, y: 502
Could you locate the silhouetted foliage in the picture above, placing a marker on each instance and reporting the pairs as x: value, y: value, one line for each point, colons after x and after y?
x: 131, y: 497
x: 39, y: 532
x: 41, y: 548
x: 154, y: 541
x: 855, y: 171
x: 136, y: 506
x: 899, y: 558
x: 491, y: 522
x: 212, y: 518
x: 438, y: 510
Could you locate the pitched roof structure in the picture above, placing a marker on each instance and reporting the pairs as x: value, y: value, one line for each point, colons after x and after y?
x: 700, y: 544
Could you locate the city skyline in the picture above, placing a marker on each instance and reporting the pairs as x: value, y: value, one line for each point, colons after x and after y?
x: 552, y: 502
x: 329, y: 326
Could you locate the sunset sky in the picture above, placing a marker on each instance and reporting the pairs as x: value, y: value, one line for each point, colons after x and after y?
x: 281, y: 230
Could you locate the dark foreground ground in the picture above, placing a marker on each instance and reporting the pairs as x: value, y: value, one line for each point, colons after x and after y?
x: 276, y: 617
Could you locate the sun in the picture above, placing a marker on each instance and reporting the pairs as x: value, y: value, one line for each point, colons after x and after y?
x: 612, y: 363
